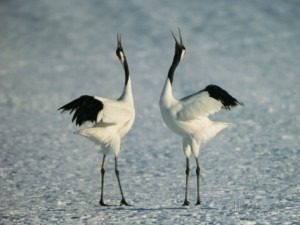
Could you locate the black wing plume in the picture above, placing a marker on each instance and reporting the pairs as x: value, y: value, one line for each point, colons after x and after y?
x: 223, y: 96
x: 85, y: 108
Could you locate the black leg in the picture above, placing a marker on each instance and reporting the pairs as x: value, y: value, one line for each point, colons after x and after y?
x: 123, y: 201
x: 198, y: 182
x: 187, y: 172
x: 101, y: 202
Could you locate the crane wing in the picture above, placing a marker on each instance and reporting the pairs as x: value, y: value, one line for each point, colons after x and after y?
x: 99, y: 110
x: 114, y: 112
x: 85, y: 108
x: 206, y: 102
x: 198, y: 105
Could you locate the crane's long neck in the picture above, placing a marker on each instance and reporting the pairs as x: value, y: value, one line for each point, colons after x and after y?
x: 173, y: 67
x: 167, y: 94
x: 127, y: 92
x: 126, y: 70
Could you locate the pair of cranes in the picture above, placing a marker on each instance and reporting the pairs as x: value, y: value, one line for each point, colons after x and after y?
x: 187, y: 117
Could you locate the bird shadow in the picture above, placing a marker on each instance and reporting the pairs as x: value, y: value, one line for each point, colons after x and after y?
x: 137, y: 208
x: 149, y: 208
x: 141, y: 209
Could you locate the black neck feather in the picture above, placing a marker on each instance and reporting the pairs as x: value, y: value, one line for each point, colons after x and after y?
x: 172, y: 69
x: 126, y: 69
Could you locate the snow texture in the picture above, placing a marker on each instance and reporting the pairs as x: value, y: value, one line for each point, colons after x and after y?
x: 52, y: 52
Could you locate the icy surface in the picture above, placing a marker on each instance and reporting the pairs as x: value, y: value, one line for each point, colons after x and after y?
x: 54, y: 51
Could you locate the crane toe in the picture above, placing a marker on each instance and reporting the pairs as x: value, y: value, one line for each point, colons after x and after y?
x: 123, y: 202
x: 186, y: 203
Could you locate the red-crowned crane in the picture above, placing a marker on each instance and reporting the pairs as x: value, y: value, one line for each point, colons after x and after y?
x: 112, y: 120
x: 188, y: 117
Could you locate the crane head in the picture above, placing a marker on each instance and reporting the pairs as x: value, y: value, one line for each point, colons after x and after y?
x: 119, y: 50
x: 179, y: 47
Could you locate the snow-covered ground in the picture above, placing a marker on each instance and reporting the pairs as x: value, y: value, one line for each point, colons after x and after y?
x: 54, y: 51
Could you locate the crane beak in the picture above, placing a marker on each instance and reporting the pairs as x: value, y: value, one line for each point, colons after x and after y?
x: 180, y: 38
x: 119, y: 41
x: 180, y: 48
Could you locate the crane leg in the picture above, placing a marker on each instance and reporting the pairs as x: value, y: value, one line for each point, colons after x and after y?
x: 123, y: 201
x: 101, y: 202
x: 198, y: 182
x: 187, y: 172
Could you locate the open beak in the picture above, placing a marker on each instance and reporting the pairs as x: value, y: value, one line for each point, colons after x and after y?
x: 119, y: 41
x: 180, y: 38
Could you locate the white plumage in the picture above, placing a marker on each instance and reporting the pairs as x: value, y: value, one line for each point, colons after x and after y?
x: 188, y: 117
x: 112, y: 123
x: 112, y: 119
